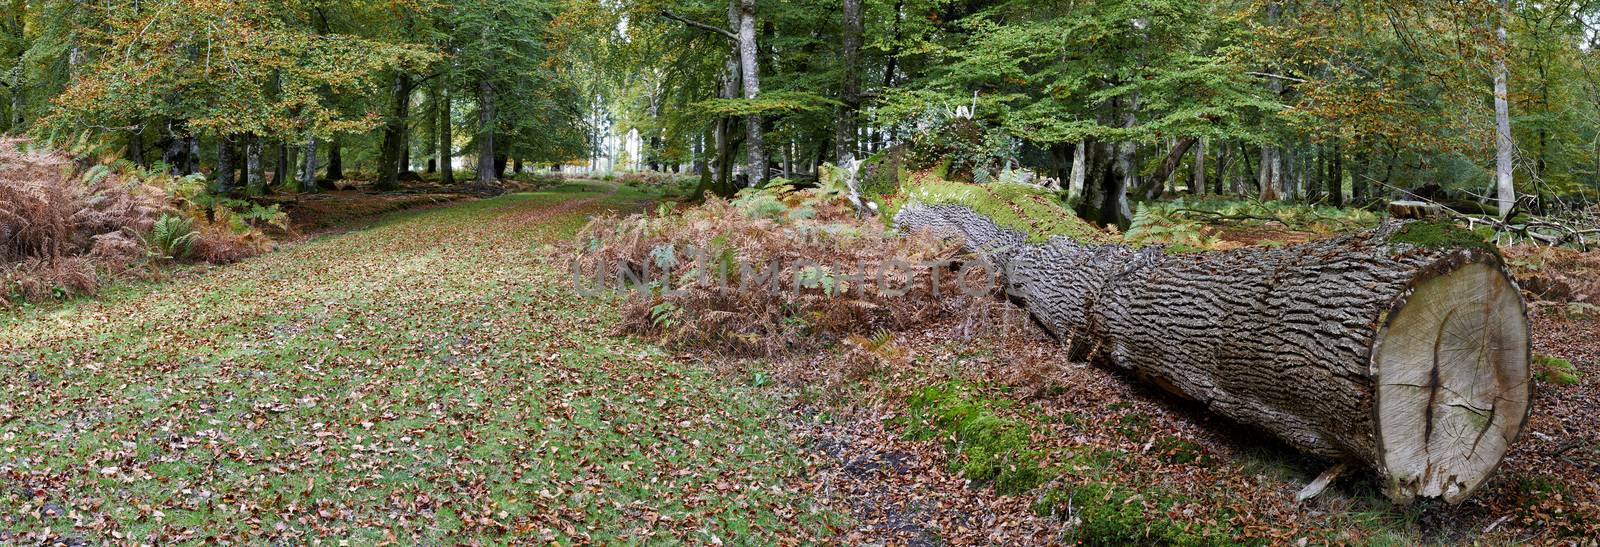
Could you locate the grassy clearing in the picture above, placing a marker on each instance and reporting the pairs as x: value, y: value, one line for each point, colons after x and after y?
x: 429, y: 378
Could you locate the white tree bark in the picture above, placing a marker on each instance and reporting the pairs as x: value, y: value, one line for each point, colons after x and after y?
x: 1198, y: 169
x: 1080, y: 171
x: 755, y: 148
x: 1506, y: 190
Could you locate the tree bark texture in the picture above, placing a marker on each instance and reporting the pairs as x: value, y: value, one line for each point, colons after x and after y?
x: 308, y: 169
x: 1410, y: 360
x: 755, y: 147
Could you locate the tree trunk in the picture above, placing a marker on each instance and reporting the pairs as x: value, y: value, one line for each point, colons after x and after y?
x: 255, y: 171
x: 486, y: 129
x: 224, y: 170
x: 136, y: 145
x: 1412, y: 360
x: 447, y: 150
x: 1336, y: 176
x: 850, y: 91
x: 725, y: 126
x: 335, y: 159
x: 1358, y: 178
x: 308, y: 170
x: 191, y: 160
x: 1266, y: 181
x: 1505, y: 188
x: 280, y: 172
x: 1169, y: 167
x: 1197, y: 171
x: 755, y: 147
x: 1224, y: 162
x: 394, y: 140
x: 1080, y: 170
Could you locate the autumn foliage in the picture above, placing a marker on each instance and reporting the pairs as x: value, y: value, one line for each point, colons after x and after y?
x: 64, y: 229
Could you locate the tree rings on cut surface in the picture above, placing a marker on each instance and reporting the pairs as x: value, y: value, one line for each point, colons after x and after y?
x: 1453, y: 392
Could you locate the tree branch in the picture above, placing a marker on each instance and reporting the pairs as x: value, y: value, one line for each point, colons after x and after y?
x: 1276, y: 76
x: 702, y: 26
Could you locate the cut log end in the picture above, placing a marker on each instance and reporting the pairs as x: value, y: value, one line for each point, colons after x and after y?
x: 1453, y: 390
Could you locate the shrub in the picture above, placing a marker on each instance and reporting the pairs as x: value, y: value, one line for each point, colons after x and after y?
x: 770, y: 273
x: 173, y: 237
x: 961, y: 149
x: 647, y: 179
x: 57, y: 226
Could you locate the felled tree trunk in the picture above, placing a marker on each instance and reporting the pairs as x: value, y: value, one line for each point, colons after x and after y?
x: 1408, y: 358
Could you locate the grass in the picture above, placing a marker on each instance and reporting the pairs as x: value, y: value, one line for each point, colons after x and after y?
x: 429, y: 379
x: 1085, y: 487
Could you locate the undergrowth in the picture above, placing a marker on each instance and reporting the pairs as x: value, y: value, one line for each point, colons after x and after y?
x: 1184, y: 225
x: 65, y: 229
x: 773, y: 271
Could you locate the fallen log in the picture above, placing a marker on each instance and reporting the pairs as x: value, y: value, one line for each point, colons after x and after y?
x: 1394, y: 348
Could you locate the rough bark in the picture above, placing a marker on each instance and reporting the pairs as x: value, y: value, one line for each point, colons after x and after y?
x: 1410, y: 360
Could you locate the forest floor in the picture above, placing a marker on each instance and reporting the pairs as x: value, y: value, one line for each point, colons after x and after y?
x: 431, y: 377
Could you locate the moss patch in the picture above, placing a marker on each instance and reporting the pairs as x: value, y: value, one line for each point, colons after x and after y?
x: 1436, y: 234
x: 993, y: 448
x: 1555, y: 370
x: 1027, y: 209
x: 1111, y: 514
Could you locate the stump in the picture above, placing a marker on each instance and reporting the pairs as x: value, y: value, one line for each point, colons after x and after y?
x: 1410, y: 359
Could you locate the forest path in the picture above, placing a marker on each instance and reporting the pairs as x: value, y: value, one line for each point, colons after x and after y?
x: 429, y: 379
